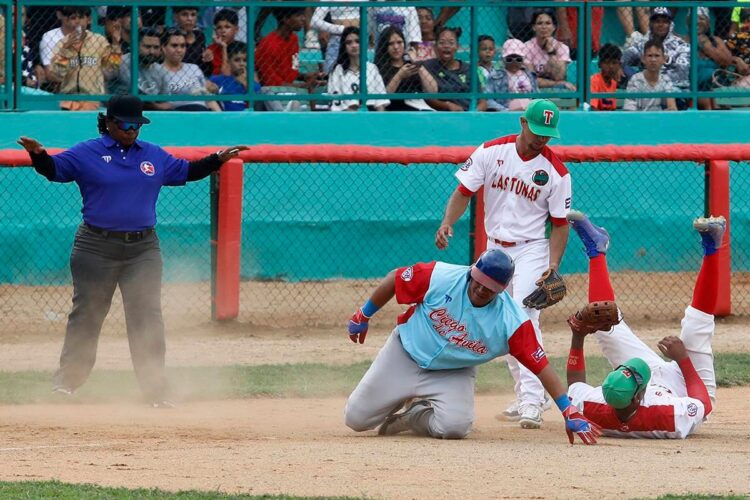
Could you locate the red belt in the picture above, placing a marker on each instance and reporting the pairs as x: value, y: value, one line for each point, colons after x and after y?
x: 507, y: 244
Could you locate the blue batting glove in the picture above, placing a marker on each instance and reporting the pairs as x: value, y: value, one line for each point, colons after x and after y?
x: 577, y: 424
x: 358, y: 325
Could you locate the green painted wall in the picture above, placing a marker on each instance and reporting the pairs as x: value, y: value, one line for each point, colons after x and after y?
x: 304, y: 222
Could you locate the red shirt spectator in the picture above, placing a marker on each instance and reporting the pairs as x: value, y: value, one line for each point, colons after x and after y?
x: 277, y: 59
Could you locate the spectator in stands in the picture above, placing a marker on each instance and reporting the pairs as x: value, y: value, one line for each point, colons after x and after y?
x: 236, y: 83
x: 119, y: 18
x: 426, y: 48
x: 547, y: 57
x: 486, y: 63
x: 149, y: 69
x: 81, y: 61
x: 451, y: 74
x: 633, y: 36
x: 568, y: 32
x: 154, y: 17
x: 712, y: 55
x: 277, y: 54
x: 180, y: 77
x: 344, y: 79
x: 400, y: 73
x: 405, y: 18
x: 609, y: 79
x: 651, y: 79
x: 514, y: 78
x: 186, y: 18
x: 341, y: 18
x: 32, y: 73
x: 226, y: 26
x: 71, y: 18
x: 676, y: 50
x: 736, y: 19
x: 739, y: 46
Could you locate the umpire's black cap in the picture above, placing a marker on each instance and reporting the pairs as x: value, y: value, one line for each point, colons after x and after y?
x: 126, y: 108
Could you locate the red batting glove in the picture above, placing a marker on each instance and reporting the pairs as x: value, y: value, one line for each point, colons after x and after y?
x: 358, y: 325
x: 576, y: 423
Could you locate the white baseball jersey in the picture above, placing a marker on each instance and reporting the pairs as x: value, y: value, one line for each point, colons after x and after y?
x: 519, y: 193
x: 662, y: 414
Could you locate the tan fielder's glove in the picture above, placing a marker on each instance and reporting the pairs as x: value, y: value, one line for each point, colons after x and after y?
x: 551, y: 290
x: 595, y: 317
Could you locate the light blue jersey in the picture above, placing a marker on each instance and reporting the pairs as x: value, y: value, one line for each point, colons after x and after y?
x: 444, y: 330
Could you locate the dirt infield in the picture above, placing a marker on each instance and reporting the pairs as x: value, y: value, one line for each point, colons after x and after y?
x: 301, y: 447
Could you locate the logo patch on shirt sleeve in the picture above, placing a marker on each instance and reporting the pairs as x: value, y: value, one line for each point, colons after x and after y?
x: 407, y: 274
x: 538, y: 354
x: 467, y: 164
x: 148, y: 168
x: 692, y: 409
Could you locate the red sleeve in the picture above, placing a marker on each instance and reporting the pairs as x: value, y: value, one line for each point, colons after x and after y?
x: 696, y: 389
x: 413, y: 282
x: 524, y: 346
x: 217, y: 60
x: 265, y: 64
x: 464, y: 190
x: 557, y: 221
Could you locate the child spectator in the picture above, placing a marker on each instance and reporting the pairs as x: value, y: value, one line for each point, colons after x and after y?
x: 80, y: 62
x: 180, y: 77
x: 676, y: 50
x: 400, y: 73
x: 426, y: 48
x: 277, y: 54
x: 226, y: 26
x: 609, y: 77
x: 486, y: 61
x: 651, y: 79
x: 186, y: 18
x: 236, y: 83
x: 547, y: 57
x: 452, y: 75
x: 513, y: 78
x: 344, y: 79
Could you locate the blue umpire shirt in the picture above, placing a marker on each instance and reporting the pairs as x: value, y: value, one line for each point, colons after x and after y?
x: 119, y: 186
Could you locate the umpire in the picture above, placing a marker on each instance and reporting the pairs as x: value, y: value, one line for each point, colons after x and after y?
x: 120, y: 178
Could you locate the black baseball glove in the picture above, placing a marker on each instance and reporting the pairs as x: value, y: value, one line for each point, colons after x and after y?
x: 550, y: 290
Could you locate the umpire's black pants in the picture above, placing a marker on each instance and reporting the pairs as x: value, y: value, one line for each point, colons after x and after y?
x: 99, y: 264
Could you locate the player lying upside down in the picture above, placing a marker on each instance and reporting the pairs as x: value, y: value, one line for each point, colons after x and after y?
x: 461, y: 316
x: 645, y: 396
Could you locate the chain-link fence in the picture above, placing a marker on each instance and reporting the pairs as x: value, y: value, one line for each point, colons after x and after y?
x: 396, y: 56
x: 317, y: 237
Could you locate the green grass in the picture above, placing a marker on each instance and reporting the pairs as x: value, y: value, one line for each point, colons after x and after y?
x: 288, y: 380
x: 62, y: 491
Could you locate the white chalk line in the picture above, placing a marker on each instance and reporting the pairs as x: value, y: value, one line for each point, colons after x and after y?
x: 56, y: 446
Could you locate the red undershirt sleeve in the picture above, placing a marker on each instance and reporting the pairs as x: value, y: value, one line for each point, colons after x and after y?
x: 695, y: 387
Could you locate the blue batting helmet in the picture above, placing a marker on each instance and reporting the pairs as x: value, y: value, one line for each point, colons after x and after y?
x: 494, y: 269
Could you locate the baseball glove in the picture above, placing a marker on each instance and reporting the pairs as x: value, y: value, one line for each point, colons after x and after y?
x: 551, y: 290
x: 595, y: 317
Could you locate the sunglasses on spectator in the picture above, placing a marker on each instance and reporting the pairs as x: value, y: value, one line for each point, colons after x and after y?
x: 125, y: 126
x: 512, y: 59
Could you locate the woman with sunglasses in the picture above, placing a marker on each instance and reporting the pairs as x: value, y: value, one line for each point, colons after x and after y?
x: 645, y: 396
x: 120, y: 178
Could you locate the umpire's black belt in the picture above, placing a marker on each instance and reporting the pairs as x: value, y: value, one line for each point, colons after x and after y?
x: 126, y: 236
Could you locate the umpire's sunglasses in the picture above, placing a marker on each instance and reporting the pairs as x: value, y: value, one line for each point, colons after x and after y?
x: 637, y: 376
x: 125, y: 126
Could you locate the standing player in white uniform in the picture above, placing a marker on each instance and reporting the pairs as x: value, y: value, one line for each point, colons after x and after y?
x: 645, y: 396
x: 460, y: 317
x: 525, y: 184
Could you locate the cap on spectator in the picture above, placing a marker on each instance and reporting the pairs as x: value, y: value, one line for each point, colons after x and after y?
x: 542, y: 116
x: 514, y: 46
x: 126, y: 108
x: 703, y: 12
x: 661, y: 12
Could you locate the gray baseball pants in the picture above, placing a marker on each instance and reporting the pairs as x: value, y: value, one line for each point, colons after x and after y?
x: 394, y: 377
x: 99, y: 264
